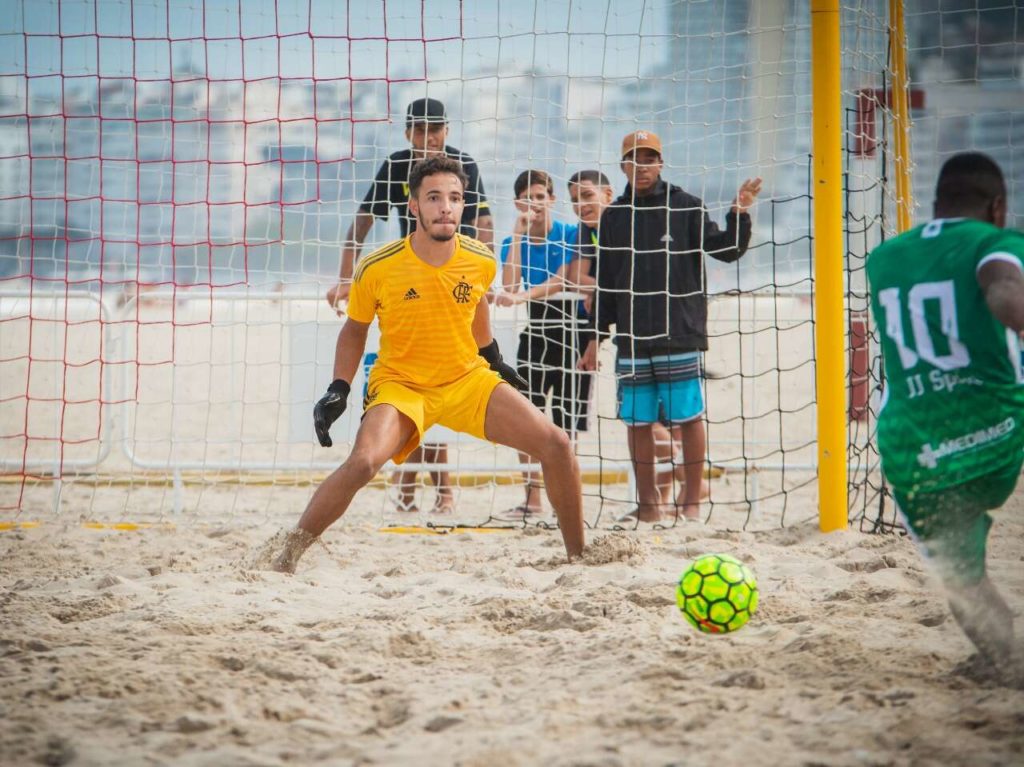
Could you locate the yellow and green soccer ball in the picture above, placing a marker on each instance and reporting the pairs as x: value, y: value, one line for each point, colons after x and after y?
x: 717, y: 594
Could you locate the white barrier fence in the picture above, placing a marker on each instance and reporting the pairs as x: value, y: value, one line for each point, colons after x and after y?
x: 218, y: 381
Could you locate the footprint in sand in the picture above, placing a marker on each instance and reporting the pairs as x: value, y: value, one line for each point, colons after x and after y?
x: 410, y: 644
x: 512, y: 616
x: 616, y: 547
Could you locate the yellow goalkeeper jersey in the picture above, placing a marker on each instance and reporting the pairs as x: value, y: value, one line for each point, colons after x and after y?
x: 425, y: 312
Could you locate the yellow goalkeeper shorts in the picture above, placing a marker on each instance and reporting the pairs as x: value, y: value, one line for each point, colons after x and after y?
x: 460, y: 406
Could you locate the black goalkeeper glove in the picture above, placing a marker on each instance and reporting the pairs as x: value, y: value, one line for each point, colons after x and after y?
x: 508, y: 373
x: 329, y: 409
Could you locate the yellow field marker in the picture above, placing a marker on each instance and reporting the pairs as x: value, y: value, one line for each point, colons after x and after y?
x: 418, y: 530
x: 4, y: 526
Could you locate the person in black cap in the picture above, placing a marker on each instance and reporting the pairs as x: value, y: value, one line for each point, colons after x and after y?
x: 426, y: 128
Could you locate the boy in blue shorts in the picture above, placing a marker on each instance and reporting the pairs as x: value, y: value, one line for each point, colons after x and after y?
x: 650, y: 284
x: 948, y: 299
x: 591, y: 193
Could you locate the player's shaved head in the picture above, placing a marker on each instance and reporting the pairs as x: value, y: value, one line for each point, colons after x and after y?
x: 971, y: 184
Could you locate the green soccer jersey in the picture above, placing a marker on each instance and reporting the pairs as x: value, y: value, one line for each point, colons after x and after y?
x: 953, y: 403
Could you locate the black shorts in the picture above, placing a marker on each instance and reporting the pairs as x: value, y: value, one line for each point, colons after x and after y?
x: 547, y: 358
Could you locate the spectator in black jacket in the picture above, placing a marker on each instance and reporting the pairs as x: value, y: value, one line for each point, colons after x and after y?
x: 651, y: 286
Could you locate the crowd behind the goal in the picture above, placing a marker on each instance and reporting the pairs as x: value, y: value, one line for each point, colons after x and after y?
x: 948, y: 297
x: 545, y: 261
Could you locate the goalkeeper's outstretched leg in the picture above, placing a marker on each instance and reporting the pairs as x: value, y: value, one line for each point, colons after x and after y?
x: 383, y: 432
x: 513, y: 421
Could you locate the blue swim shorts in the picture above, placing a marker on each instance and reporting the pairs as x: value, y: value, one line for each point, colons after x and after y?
x: 668, y: 385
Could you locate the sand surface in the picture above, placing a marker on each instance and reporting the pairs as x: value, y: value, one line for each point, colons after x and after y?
x: 165, y: 646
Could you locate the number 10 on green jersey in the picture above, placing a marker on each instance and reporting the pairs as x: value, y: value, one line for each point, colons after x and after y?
x: 953, y: 402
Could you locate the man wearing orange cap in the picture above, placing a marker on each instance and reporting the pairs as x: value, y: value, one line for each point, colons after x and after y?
x: 651, y: 286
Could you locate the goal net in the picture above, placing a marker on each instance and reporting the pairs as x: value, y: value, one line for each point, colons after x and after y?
x: 177, y: 181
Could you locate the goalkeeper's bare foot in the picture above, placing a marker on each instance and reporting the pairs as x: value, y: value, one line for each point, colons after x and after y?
x: 292, y: 548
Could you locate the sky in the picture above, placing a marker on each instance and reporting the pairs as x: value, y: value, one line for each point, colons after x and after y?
x: 505, y: 120
x: 329, y: 39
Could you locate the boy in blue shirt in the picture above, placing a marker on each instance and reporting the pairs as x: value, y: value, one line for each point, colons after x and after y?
x: 535, y: 263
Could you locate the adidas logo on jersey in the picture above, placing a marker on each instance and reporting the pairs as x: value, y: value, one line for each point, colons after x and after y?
x: 410, y: 294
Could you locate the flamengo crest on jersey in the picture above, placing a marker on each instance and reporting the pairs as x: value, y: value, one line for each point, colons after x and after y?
x: 425, y: 312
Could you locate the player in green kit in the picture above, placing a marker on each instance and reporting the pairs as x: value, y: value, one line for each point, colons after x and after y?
x: 948, y: 299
